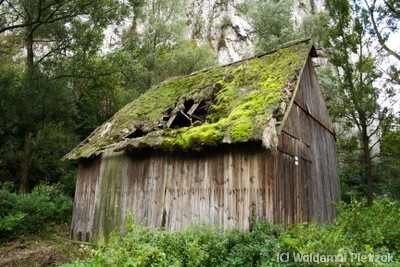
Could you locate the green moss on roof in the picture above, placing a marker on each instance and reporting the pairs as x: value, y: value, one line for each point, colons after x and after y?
x: 242, y: 98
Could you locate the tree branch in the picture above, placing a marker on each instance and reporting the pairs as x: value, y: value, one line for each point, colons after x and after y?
x: 378, y: 34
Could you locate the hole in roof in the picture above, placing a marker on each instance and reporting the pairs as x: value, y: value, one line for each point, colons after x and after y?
x: 188, y: 104
x: 135, y: 134
x: 180, y: 120
x: 200, y: 113
x: 190, y: 113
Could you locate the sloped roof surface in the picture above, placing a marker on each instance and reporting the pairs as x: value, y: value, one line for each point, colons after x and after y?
x: 235, y: 103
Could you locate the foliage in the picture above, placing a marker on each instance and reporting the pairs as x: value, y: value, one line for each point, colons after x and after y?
x: 383, y: 24
x: 46, y: 206
x: 388, y: 170
x: 355, y: 100
x: 273, y: 24
x: 199, y: 245
x: 355, y: 37
x: 158, y: 42
x: 50, y: 42
x: 359, y: 228
x: 271, y: 20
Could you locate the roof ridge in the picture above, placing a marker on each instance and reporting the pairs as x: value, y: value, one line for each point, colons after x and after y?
x: 283, y: 46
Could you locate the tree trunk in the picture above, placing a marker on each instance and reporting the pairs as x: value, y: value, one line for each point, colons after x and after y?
x: 26, y: 163
x: 367, y: 164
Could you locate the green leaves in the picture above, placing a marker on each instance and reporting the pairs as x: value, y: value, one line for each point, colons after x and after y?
x: 271, y: 21
x: 30, y: 213
x: 199, y: 245
x: 61, y: 40
x: 359, y: 229
x: 356, y: 100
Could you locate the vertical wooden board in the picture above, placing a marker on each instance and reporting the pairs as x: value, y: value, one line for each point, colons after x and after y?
x: 288, y: 190
x: 161, y: 183
x: 124, y: 196
x: 275, y: 200
x: 168, y: 196
x: 137, y: 173
x: 269, y: 171
x: 108, y: 207
x: 296, y: 126
x: 155, y: 190
x: 296, y: 190
x: 181, y: 196
x: 249, y: 195
x: 219, y: 176
x: 231, y: 203
x: 258, y: 183
x: 227, y: 176
x: 310, y: 97
x: 191, y: 203
x: 238, y: 190
x: 282, y: 192
x: 209, y: 167
x: 278, y: 192
x: 197, y: 204
x: 149, y: 189
x: 175, y: 216
x: 186, y: 195
x: 223, y: 177
x: 305, y: 129
x: 317, y: 92
x: 85, y: 193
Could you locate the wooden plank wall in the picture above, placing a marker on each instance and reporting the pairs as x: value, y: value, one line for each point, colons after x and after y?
x: 293, y: 187
x: 85, y: 197
x: 225, y: 186
x: 308, y: 134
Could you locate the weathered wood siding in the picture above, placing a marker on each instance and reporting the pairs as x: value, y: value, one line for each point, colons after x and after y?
x: 308, y: 135
x: 228, y: 185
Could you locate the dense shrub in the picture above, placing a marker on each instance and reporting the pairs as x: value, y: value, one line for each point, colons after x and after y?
x: 199, y: 245
x: 359, y: 229
x: 29, y: 213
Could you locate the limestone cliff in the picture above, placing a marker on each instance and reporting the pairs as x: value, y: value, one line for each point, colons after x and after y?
x: 219, y: 24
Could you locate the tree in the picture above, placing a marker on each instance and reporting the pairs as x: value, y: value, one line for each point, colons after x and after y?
x: 389, y: 164
x: 271, y: 21
x: 384, y: 22
x: 157, y: 41
x: 356, y: 98
x: 50, y: 32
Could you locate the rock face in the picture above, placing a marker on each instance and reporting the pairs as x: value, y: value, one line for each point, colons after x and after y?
x: 219, y: 24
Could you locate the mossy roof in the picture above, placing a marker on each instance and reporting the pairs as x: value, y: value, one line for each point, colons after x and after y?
x: 237, y: 103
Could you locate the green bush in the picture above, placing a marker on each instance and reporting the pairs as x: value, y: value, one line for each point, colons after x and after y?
x: 30, y: 213
x: 199, y: 245
x: 256, y: 248
x: 359, y: 228
x: 371, y: 228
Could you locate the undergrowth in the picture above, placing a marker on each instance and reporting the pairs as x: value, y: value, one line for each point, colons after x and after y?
x: 360, y: 230
x: 45, y: 207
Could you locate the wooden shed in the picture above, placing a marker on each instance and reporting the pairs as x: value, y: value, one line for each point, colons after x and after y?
x: 252, y: 139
